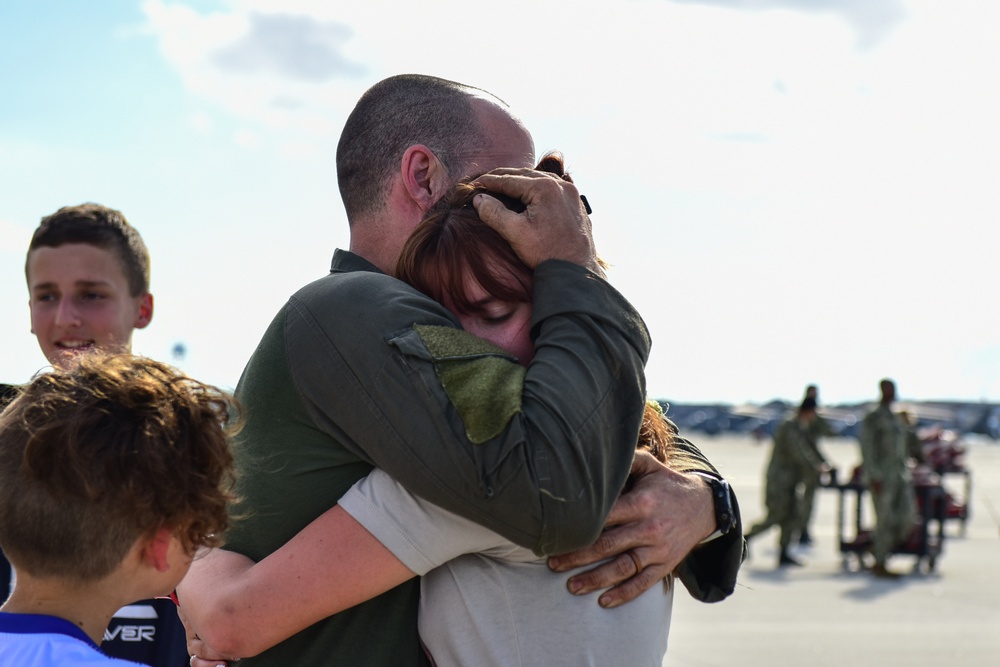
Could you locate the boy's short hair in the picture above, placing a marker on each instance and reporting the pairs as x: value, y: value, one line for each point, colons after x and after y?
x: 94, y: 457
x: 99, y: 226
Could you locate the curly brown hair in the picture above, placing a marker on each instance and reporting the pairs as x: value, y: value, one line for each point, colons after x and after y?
x: 98, y: 455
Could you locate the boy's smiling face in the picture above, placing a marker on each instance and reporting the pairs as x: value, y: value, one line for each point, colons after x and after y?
x: 80, y: 301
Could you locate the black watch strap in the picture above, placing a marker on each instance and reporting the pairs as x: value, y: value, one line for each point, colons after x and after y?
x: 725, y: 517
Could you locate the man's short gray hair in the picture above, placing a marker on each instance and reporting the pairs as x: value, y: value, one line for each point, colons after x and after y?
x: 393, y: 115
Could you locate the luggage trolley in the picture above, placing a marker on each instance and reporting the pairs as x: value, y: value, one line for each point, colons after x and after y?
x: 925, y: 542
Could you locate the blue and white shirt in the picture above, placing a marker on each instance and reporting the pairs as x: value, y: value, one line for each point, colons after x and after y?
x: 48, y: 641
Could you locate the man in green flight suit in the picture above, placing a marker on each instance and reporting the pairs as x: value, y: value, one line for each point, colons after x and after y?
x: 344, y: 379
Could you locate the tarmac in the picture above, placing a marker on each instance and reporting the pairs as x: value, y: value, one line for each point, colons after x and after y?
x: 823, y: 615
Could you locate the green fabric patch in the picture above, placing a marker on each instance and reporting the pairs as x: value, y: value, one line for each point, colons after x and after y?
x: 482, y: 381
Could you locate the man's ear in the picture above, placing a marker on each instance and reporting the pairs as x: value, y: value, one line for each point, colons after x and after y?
x: 145, y: 311
x: 424, y: 176
x: 154, y: 552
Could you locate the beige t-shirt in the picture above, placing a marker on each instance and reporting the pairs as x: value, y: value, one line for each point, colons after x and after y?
x: 486, y: 601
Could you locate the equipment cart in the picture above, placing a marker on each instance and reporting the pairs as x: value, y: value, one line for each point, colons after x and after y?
x: 944, y: 453
x: 956, y: 502
x: 926, y: 542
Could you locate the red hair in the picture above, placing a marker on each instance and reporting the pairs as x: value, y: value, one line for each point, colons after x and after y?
x: 452, y: 242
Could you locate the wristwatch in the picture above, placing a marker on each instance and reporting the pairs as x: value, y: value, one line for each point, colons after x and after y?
x: 725, y: 516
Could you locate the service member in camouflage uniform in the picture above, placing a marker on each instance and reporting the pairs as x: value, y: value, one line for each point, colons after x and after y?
x: 914, y: 445
x: 818, y: 428
x: 883, y: 460
x: 793, y: 458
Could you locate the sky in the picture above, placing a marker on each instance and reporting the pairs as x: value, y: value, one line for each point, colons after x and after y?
x: 790, y: 192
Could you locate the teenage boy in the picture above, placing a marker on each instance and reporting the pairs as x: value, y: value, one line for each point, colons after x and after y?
x: 88, y: 282
x: 88, y: 285
x: 112, y: 473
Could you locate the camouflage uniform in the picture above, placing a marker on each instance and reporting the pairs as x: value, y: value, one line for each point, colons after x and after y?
x: 793, y: 458
x: 883, y: 460
x: 810, y: 478
x: 914, y: 446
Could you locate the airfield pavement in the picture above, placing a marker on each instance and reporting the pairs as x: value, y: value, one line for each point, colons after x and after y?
x: 822, y: 615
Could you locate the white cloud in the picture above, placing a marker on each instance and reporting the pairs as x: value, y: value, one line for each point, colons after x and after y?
x: 246, y: 138
x: 872, y: 20
x: 299, y: 149
x: 738, y: 161
x: 293, y: 46
x: 14, y: 238
x: 201, y: 122
x: 281, y: 71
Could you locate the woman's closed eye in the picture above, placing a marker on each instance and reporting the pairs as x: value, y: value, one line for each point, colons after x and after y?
x: 496, y: 318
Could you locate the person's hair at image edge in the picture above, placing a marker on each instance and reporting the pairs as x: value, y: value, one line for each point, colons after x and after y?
x: 451, y: 241
x: 102, y: 227
x: 394, y: 114
x: 94, y: 457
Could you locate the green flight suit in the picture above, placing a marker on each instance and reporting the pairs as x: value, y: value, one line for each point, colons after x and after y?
x: 360, y: 370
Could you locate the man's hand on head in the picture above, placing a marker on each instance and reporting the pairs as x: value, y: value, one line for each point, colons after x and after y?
x: 555, y: 224
x: 650, y: 530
